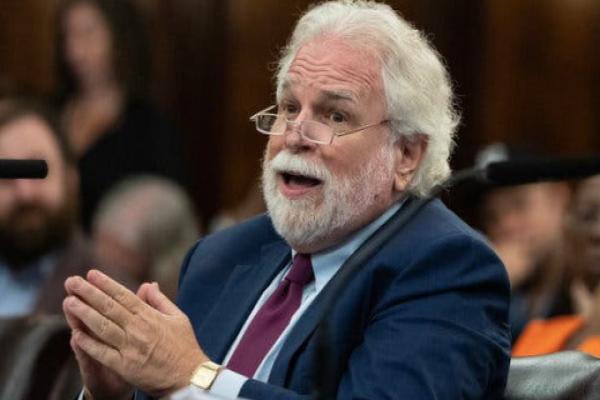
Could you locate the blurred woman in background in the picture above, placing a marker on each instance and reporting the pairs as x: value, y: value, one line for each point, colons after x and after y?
x: 103, y: 66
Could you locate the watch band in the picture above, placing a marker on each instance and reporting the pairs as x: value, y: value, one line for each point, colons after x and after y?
x: 205, y: 374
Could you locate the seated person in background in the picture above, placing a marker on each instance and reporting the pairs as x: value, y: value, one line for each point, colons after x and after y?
x: 525, y: 224
x: 363, y: 123
x: 103, y: 74
x: 581, y: 330
x: 145, y: 225
x: 40, y: 244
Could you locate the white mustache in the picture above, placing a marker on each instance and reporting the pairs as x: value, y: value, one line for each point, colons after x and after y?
x: 290, y: 163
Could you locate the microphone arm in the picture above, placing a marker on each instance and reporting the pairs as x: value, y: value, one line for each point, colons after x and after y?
x: 505, y: 173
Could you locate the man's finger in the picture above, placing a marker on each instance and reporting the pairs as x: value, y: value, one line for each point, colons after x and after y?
x: 159, y: 301
x: 118, y: 292
x: 68, y: 287
x: 72, y: 321
x: 100, y: 326
x: 142, y: 291
x: 98, y: 351
x: 84, y: 361
x: 99, y: 300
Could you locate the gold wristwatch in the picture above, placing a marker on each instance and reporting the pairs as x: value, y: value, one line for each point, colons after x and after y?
x: 205, y: 374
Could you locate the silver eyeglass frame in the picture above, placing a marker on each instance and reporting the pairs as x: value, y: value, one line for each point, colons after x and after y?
x: 298, y: 124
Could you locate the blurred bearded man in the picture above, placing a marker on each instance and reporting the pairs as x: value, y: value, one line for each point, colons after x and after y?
x: 363, y: 124
x: 38, y: 245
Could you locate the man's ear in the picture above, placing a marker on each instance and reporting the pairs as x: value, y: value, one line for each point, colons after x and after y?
x: 409, y: 152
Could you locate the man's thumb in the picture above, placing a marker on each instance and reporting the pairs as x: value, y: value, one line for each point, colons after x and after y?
x: 159, y: 301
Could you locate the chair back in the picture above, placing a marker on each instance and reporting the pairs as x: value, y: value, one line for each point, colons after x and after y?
x: 36, y: 360
x: 571, y: 375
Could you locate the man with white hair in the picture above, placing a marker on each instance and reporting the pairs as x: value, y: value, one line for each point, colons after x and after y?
x: 144, y: 226
x: 363, y: 124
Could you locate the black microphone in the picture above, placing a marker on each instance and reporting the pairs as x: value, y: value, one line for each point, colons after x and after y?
x: 23, y: 169
x: 504, y: 173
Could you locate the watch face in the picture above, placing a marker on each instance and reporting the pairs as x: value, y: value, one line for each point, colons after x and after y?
x: 205, y: 375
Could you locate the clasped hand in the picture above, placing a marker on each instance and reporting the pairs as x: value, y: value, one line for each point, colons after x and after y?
x: 123, y: 340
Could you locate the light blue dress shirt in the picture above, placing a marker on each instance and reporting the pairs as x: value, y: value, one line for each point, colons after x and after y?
x: 19, y: 290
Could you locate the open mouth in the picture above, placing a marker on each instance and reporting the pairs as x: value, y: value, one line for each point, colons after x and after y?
x: 296, y: 180
x: 295, y: 184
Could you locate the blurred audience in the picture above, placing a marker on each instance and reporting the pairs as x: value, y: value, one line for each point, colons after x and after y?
x: 40, y: 246
x: 39, y: 243
x: 581, y: 329
x: 145, y: 225
x: 103, y: 73
x: 524, y: 224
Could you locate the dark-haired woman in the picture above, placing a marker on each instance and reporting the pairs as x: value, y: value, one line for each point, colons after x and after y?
x: 103, y: 68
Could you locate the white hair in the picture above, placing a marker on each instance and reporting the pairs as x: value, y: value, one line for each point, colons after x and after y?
x: 152, y: 215
x: 417, y: 86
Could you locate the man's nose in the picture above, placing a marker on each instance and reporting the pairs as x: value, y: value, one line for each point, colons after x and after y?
x: 294, y: 137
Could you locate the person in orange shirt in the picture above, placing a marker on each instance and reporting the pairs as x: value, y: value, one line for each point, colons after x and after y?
x: 581, y: 330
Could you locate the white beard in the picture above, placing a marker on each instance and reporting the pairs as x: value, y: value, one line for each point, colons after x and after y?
x: 311, y: 220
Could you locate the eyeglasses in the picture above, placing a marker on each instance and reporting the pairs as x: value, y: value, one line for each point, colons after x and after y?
x: 270, y: 123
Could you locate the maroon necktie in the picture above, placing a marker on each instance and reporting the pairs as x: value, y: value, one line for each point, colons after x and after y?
x: 272, y: 318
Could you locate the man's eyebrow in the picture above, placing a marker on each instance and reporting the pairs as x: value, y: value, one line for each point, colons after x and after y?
x: 332, y: 95
x: 336, y: 95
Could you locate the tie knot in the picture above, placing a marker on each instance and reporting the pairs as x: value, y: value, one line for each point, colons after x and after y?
x: 301, y: 271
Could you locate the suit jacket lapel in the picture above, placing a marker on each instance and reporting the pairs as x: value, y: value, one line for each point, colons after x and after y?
x: 239, y: 296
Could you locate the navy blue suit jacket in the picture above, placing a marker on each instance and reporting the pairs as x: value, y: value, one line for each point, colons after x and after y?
x: 425, y: 318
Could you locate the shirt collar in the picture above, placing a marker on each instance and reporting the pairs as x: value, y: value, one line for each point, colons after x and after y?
x: 327, y: 262
x: 34, y: 271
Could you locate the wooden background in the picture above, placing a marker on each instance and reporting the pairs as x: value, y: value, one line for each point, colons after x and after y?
x: 527, y: 72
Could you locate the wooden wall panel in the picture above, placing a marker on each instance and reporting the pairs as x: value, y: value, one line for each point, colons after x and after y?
x: 541, y: 74
x: 189, y: 58
x: 26, y: 52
